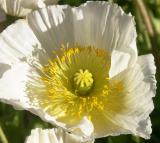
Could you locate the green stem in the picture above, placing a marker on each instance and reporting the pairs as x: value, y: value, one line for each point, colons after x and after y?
x: 2, y: 136
x: 151, y: 32
x: 142, y: 29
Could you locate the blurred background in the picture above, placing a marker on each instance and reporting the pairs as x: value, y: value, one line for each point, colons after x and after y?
x: 16, y: 125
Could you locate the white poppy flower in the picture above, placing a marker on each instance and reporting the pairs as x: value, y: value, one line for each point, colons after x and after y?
x: 69, y: 63
x: 21, y: 8
x: 56, y: 135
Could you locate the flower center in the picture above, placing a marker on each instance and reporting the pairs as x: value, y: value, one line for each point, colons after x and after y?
x: 75, y: 83
x: 83, y: 81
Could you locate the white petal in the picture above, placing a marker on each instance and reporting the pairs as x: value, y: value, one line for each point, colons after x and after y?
x: 17, y: 47
x: 99, y: 24
x: 13, y: 7
x: 56, y: 135
x: 140, y: 85
x: 34, y: 4
x: 85, y: 127
x: 21, y: 8
x: 119, y: 62
x: 148, y: 67
x: 12, y: 85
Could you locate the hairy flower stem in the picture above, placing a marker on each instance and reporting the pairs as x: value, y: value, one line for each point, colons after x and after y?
x: 3, y: 138
x: 151, y: 32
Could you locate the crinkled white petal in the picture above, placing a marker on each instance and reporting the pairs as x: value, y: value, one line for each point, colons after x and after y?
x: 84, y: 127
x: 119, y: 62
x: 56, y: 135
x: 18, y: 47
x: 141, y: 85
x: 12, y: 84
x: 95, y: 23
x: 148, y: 67
x: 21, y: 8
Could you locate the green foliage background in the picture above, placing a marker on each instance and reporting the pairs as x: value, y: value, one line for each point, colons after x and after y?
x: 16, y: 125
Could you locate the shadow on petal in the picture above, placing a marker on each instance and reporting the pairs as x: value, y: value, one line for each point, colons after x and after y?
x: 3, y: 68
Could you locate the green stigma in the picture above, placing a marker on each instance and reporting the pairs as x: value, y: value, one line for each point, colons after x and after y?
x: 83, y: 82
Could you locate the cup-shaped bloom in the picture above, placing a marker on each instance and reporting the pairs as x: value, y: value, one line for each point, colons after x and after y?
x: 21, y: 8
x: 55, y: 135
x: 69, y: 63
